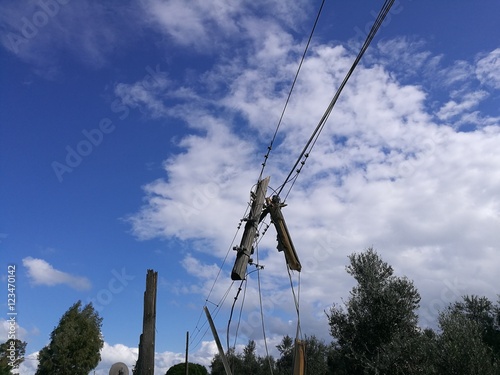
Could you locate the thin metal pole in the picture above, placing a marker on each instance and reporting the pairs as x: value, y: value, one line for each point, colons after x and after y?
x: 187, y: 348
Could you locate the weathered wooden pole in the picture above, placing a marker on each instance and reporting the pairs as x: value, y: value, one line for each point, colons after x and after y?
x: 285, y: 243
x: 217, y: 341
x: 245, y: 249
x: 299, y: 358
x: 146, y: 361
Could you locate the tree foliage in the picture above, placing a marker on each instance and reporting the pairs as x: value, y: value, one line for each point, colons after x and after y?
x: 284, y: 364
x: 11, y: 355
x: 376, y: 332
x: 470, y: 338
x: 180, y: 369
x: 248, y: 362
x: 379, y: 322
x: 75, y: 344
x: 461, y: 347
x: 483, y: 312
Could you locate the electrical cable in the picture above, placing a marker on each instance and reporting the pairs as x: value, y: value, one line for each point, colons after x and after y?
x: 317, y: 131
x: 218, y: 307
x: 231, y: 313
x: 196, y: 328
x: 302, y: 160
x: 270, y: 147
x: 240, y: 314
x: 262, y: 314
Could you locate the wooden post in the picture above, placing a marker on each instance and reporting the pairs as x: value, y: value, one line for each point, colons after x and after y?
x: 245, y: 249
x: 217, y: 341
x: 146, y: 361
x: 299, y: 358
x: 285, y: 243
x: 187, y: 348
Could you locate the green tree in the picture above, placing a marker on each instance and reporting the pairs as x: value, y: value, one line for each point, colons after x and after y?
x: 9, y: 362
x: 461, y: 347
x: 180, y: 369
x: 266, y: 364
x: 284, y: 364
x: 377, y: 330
x: 235, y: 363
x: 250, y: 364
x: 316, y: 356
x: 75, y: 344
x: 482, y: 311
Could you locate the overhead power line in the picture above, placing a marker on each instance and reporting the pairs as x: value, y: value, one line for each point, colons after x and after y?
x: 317, y: 131
x: 270, y: 147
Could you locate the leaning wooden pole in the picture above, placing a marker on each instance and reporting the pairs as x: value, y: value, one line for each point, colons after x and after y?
x: 146, y: 361
x: 217, y: 342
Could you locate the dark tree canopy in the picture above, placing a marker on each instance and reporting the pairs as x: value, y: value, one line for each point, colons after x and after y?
x: 284, y: 364
x: 180, y: 369
x: 9, y: 362
x: 235, y: 363
x: 483, y: 312
x: 461, y: 347
x: 75, y: 344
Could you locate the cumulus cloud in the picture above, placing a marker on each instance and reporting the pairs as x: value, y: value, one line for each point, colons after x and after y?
x: 5, y: 328
x: 42, y: 273
x: 111, y: 354
x: 383, y: 174
x: 192, y: 203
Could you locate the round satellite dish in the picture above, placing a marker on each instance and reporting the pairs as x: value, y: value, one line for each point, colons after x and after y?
x: 119, y: 368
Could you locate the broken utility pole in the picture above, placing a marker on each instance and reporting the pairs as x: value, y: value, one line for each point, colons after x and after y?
x: 245, y: 250
x: 285, y: 243
x: 146, y: 362
x: 217, y: 342
x: 299, y: 358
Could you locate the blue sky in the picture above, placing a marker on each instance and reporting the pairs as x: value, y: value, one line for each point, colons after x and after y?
x: 132, y: 133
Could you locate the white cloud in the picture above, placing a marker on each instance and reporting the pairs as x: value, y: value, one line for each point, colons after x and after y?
x: 111, y: 354
x: 191, y: 205
x: 42, y: 273
x: 138, y: 94
x: 204, y: 25
x: 35, y: 30
x: 468, y: 102
x: 488, y: 69
x: 30, y: 364
x: 7, y: 328
x: 383, y: 174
